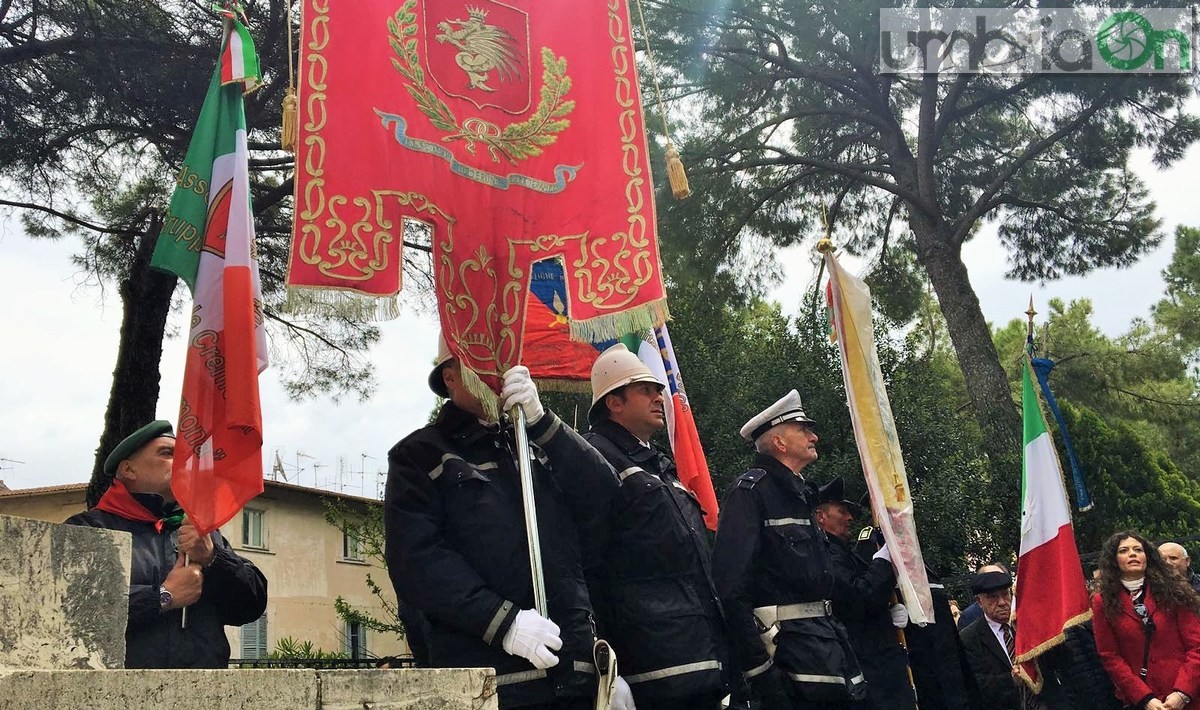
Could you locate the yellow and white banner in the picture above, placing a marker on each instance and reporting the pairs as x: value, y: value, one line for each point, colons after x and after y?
x: 875, y: 434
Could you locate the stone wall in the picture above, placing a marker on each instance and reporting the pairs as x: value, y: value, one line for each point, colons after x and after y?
x: 407, y: 689
x: 63, y: 595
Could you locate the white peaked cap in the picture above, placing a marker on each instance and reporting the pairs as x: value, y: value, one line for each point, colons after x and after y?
x: 787, y: 409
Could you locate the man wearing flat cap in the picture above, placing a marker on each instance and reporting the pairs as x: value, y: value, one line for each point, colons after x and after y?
x: 863, y: 602
x: 457, y: 550
x: 173, y: 567
x: 774, y: 575
x: 989, y: 644
x: 652, y: 587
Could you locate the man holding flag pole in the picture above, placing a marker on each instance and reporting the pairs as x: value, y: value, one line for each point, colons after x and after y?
x: 214, y: 467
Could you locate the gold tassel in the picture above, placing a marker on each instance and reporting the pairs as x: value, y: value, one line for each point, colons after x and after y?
x: 291, y: 110
x: 676, y: 174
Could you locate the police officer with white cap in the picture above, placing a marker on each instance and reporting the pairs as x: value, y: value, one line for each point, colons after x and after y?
x: 773, y: 573
x: 652, y: 587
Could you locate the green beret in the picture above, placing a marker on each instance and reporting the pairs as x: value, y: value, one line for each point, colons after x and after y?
x: 130, y: 444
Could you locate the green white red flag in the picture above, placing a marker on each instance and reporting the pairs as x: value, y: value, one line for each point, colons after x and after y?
x: 1049, y: 574
x: 208, y: 241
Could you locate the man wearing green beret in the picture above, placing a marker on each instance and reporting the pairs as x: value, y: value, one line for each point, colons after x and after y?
x: 173, y: 567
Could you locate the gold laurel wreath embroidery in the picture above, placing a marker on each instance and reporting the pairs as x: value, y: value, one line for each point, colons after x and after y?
x: 516, y: 141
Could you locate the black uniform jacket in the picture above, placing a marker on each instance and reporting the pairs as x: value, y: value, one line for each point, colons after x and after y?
x: 769, y: 551
x: 234, y: 593
x: 456, y: 547
x: 653, y: 589
x: 862, y: 596
x: 935, y: 654
x: 990, y: 665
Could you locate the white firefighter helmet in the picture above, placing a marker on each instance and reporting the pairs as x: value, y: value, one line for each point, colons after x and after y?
x: 615, y: 368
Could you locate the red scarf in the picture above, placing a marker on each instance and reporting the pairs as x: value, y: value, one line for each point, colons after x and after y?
x: 119, y: 501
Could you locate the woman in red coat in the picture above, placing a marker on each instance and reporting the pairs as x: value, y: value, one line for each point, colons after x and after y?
x: 1147, y: 627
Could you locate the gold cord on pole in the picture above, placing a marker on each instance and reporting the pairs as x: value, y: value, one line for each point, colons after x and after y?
x: 291, y: 105
x: 676, y: 175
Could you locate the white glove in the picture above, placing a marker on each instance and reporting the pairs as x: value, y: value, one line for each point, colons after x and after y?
x: 518, y: 390
x: 899, y: 615
x: 622, y: 697
x: 882, y: 553
x: 533, y: 637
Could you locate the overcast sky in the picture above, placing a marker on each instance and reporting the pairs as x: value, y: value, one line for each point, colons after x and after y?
x: 62, y: 343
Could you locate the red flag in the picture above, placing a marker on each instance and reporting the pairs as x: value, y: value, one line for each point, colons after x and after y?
x: 514, y: 130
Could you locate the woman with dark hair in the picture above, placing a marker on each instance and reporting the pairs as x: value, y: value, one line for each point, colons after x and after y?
x: 1147, y: 627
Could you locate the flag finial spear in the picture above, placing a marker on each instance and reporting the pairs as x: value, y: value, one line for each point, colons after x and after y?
x: 825, y: 243
x: 1030, y: 314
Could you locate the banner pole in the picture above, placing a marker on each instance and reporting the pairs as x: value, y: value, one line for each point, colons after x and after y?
x: 531, y: 527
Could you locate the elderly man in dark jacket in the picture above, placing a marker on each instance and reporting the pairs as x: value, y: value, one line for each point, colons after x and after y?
x: 653, y: 587
x: 773, y: 573
x: 456, y: 544
x: 173, y: 567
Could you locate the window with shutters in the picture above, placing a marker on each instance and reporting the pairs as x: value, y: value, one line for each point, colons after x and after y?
x: 355, y: 640
x: 352, y: 547
x: 254, y: 638
x: 254, y: 528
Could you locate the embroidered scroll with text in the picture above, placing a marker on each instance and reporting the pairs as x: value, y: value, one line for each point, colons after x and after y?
x: 514, y: 130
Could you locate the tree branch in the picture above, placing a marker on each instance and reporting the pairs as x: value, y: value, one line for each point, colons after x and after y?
x: 69, y: 218
x: 963, y: 224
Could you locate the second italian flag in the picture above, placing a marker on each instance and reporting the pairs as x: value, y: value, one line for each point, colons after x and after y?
x: 1049, y: 574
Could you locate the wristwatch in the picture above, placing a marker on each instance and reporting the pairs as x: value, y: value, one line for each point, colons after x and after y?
x: 164, y: 598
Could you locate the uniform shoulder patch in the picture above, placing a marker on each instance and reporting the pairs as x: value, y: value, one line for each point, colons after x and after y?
x: 865, y: 534
x: 751, y: 477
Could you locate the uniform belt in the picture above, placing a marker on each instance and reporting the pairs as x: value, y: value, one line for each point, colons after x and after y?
x: 791, y: 612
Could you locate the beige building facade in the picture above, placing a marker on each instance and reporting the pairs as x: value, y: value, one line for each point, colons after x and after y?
x: 307, y: 561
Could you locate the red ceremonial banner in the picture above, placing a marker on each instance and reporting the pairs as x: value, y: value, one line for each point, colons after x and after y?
x: 513, y: 129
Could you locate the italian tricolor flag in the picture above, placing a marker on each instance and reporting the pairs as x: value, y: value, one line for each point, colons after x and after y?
x: 1049, y: 575
x: 207, y: 240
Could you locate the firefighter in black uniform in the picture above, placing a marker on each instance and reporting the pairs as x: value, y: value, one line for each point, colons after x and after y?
x: 456, y: 546
x: 652, y: 589
x: 863, y: 601
x: 773, y: 573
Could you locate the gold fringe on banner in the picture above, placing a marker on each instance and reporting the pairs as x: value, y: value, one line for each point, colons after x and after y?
x: 642, y: 318
x: 342, y: 304
x: 487, y: 398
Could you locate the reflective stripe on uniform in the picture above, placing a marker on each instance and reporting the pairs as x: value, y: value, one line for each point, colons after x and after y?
x: 804, y: 610
x: 777, y: 522
x: 811, y: 678
x: 494, y: 626
x: 673, y: 671
x: 436, y: 472
x: 858, y: 679
x: 933, y: 585
x: 520, y: 677
x: 629, y: 472
x: 526, y: 676
x: 554, y: 426
x: 758, y: 670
